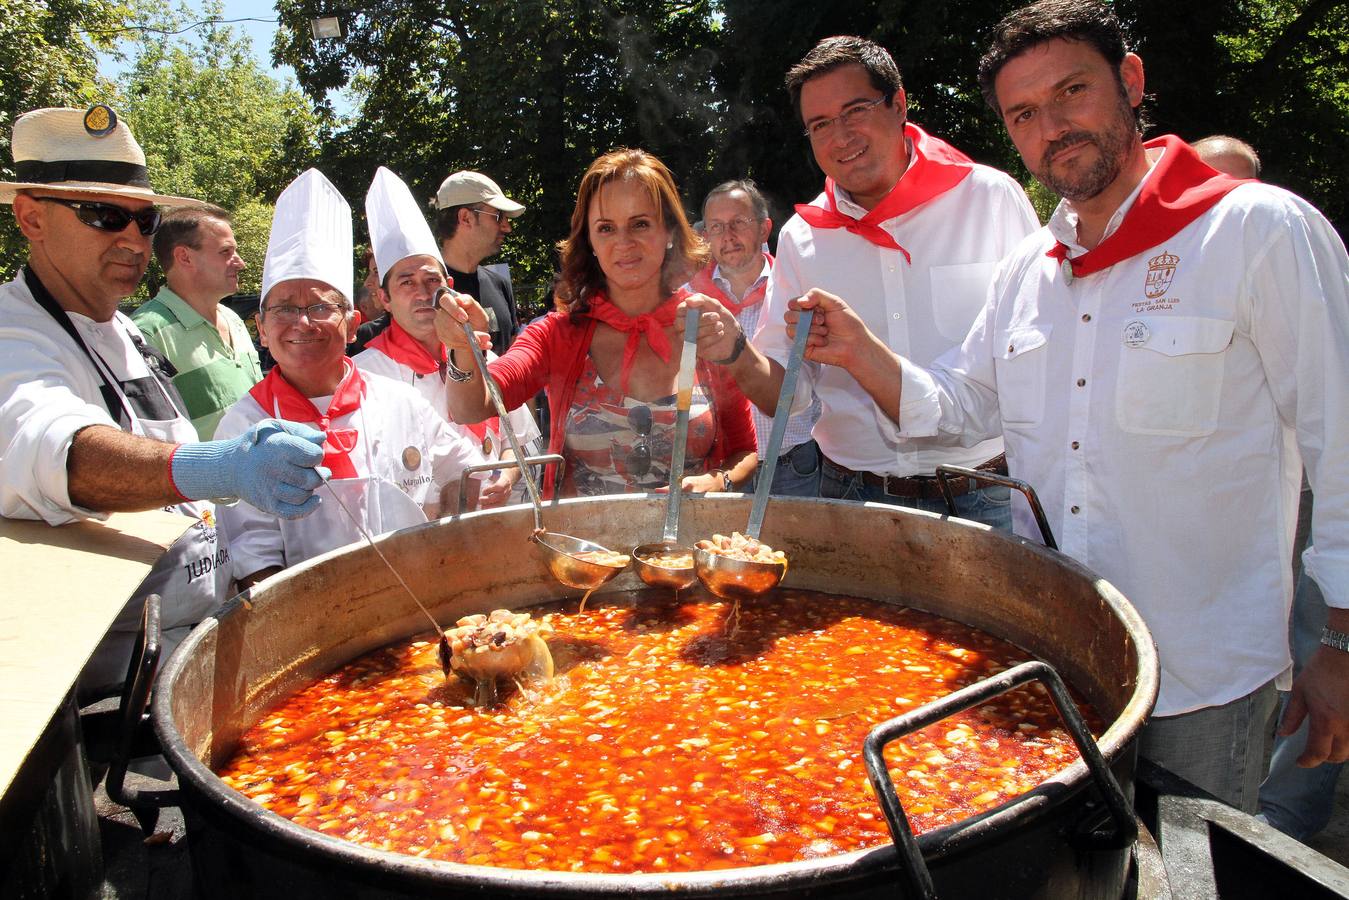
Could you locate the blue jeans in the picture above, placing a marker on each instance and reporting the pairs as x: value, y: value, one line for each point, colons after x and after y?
x: 798, y: 472
x: 990, y: 505
x: 1299, y: 802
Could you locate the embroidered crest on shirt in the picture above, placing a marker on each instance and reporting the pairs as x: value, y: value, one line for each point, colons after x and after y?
x: 412, y: 459
x: 1161, y: 269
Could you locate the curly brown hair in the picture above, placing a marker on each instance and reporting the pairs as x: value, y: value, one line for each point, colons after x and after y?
x: 581, y: 273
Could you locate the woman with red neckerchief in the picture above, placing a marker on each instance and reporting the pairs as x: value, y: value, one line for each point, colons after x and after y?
x: 608, y: 356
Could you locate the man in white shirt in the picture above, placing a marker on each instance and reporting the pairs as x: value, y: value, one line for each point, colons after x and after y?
x: 393, y: 460
x: 736, y: 225
x: 89, y: 423
x: 908, y: 230
x: 1161, y: 360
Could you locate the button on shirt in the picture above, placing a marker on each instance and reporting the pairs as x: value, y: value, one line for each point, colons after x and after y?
x: 799, y: 424
x: 1158, y: 407
x: 920, y: 310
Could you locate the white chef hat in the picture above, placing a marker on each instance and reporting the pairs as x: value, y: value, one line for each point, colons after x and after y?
x: 397, y: 227
x: 311, y: 236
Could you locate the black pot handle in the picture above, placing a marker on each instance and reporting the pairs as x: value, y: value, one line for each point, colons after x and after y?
x: 134, y: 716
x: 945, y: 473
x: 917, y: 878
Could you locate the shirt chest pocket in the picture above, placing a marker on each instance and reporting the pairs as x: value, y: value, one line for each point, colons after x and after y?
x: 1020, y: 365
x: 1171, y: 374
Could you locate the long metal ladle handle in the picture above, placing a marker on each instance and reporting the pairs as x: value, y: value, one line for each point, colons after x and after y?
x: 503, y: 417
x: 683, y: 401
x: 784, y: 410
x: 380, y: 553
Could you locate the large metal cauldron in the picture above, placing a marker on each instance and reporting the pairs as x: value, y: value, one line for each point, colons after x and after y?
x: 311, y: 619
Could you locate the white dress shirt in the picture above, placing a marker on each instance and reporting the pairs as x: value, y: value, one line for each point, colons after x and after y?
x: 920, y: 309
x: 1158, y: 407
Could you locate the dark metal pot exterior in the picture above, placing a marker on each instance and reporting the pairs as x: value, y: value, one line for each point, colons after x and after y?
x: 311, y: 619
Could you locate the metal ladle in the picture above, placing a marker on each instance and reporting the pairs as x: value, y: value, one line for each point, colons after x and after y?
x: 559, y: 550
x: 737, y: 579
x: 443, y: 648
x: 653, y: 574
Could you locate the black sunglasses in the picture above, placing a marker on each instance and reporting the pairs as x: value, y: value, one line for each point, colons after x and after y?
x: 107, y: 217
x: 640, y: 421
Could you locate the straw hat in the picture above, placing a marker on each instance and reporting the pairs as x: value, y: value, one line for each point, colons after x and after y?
x: 72, y: 151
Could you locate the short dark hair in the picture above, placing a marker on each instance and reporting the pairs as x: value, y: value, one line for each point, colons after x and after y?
x: 1071, y: 20
x: 845, y: 50
x: 180, y: 227
x: 447, y: 222
x: 750, y: 189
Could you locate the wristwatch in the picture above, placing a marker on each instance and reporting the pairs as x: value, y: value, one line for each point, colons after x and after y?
x: 727, y: 485
x: 1337, y: 639
x: 740, y: 341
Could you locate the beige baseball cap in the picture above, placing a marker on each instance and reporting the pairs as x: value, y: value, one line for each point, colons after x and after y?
x: 75, y: 151
x: 463, y: 188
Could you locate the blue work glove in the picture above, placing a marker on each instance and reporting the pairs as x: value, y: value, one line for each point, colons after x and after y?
x: 271, y: 465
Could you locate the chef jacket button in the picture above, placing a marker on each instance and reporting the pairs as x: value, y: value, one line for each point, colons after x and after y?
x: 1075, y: 510
x: 1086, y: 317
x: 1081, y: 382
x: 1076, y: 445
x: 896, y: 316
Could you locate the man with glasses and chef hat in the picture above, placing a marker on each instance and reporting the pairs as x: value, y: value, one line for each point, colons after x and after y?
x: 409, y: 349
x: 89, y: 422
x: 909, y: 231
x: 394, y: 460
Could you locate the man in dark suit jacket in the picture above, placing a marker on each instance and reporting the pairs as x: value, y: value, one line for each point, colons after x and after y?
x: 473, y: 218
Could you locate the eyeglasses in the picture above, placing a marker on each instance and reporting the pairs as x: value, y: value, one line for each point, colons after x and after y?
x: 739, y: 224
x: 107, y: 217
x: 317, y: 312
x: 853, y: 115
x: 495, y: 214
x: 639, y: 457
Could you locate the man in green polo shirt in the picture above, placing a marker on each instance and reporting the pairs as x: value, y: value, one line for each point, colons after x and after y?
x: 206, y: 342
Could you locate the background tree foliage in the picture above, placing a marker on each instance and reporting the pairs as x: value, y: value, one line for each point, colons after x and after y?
x: 531, y: 91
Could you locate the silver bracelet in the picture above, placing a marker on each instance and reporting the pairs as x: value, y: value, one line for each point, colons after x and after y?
x: 1337, y: 639
x: 455, y: 373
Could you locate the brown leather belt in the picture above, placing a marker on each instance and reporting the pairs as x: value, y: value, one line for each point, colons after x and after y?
x: 923, y: 487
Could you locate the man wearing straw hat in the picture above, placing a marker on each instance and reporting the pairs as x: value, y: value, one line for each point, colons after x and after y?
x: 89, y: 423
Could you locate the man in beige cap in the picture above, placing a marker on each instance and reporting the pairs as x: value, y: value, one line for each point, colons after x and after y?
x: 473, y: 218
x: 89, y: 423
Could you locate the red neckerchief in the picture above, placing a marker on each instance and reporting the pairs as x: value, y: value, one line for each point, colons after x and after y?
x: 1180, y: 189
x: 402, y: 347
x: 704, y: 283
x: 936, y: 168
x: 650, y: 325
x: 278, y: 396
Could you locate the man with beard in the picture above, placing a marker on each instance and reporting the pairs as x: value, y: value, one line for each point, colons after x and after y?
x: 1161, y: 360
x: 473, y: 218
x: 909, y: 230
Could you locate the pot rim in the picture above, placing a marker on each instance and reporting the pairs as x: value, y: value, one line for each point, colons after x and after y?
x: 957, y: 837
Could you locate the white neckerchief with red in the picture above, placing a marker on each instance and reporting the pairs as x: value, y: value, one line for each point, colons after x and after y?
x: 1180, y: 189
x: 284, y: 400
x: 935, y: 168
x: 704, y: 283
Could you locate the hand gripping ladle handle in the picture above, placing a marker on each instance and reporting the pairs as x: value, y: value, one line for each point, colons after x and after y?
x: 786, y: 397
